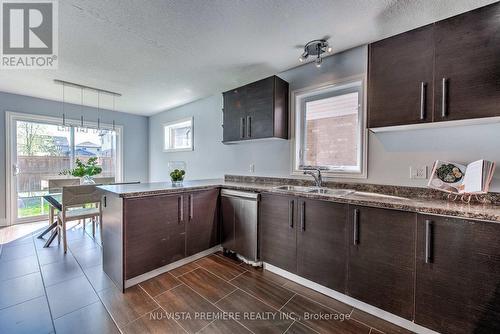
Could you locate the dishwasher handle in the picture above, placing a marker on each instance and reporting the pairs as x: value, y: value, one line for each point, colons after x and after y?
x: 240, y: 194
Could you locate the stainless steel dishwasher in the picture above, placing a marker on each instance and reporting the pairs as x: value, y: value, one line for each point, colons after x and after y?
x: 240, y: 226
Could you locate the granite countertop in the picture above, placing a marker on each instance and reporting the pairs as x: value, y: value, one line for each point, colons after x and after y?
x: 159, y: 188
x: 413, y: 202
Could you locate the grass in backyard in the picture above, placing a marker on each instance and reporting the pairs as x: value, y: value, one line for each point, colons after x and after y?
x: 33, y: 208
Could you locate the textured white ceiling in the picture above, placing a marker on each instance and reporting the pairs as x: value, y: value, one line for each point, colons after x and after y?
x: 161, y: 54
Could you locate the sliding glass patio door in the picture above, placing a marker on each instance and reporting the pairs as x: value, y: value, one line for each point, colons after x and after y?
x: 42, y: 150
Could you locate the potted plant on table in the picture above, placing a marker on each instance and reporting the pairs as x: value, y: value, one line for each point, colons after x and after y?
x: 85, y: 171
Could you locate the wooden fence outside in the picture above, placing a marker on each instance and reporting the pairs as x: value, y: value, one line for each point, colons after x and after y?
x: 33, y: 170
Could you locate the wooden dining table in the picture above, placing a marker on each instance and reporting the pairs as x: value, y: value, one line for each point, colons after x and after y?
x: 54, y: 199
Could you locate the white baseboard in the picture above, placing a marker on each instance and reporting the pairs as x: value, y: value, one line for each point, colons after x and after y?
x: 168, y: 267
x: 351, y: 301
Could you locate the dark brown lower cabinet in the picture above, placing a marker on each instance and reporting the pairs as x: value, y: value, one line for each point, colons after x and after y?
x: 321, y: 243
x: 458, y: 275
x: 202, y: 228
x: 381, y: 269
x: 154, y: 233
x: 163, y: 229
x: 278, y: 237
x: 306, y: 237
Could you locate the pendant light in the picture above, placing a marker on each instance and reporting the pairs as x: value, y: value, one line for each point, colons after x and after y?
x: 63, y: 101
x: 82, y: 94
x: 81, y: 107
x: 98, y: 110
x: 114, y: 112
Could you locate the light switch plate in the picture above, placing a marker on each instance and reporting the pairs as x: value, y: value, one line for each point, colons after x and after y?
x: 252, y: 168
x: 418, y: 172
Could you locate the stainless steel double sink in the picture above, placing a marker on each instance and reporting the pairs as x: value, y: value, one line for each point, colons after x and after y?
x: 337, y: 192
x: 316, y: 190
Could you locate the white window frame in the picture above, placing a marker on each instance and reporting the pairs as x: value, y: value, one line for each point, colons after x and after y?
x: 11, y: 146
x: 169, y: 124
x: 296, y: 131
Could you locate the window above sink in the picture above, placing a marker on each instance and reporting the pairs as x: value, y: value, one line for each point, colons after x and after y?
x: 330, y: 129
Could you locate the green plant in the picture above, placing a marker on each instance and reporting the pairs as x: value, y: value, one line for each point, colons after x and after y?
x: 177, y: 174
x: 91, y: 168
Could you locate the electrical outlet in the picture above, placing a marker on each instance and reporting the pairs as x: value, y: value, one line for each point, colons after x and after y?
x: 252, y: 168
x: 418, y: 172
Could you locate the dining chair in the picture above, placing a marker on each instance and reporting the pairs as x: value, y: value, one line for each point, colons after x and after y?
x: 55, y: 186
x: 74, y: 200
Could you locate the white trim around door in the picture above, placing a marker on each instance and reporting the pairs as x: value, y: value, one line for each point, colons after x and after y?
x: 10, y: 149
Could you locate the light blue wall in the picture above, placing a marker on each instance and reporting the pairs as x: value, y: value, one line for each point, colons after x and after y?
x: 135, y: 134
x: 212, y: 159
x: 390, y: 155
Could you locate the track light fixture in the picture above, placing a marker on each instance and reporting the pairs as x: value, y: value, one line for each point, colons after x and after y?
x: 316, y: 48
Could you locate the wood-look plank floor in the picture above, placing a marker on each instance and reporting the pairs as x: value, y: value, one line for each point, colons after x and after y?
x: 44, y: 291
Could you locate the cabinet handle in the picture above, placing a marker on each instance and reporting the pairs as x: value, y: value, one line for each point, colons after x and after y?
x: 249, y: 126
x: 356, y: 226
x: 423, y: 87
x: 290, y: 213
x: 303, y: 216
x: 181, y: 208
x: 191, y: 210
x: 444, y: 99
x: 242, y: 127
x: 428, y: 241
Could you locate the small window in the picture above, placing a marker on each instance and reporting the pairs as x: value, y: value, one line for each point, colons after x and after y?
x: 329, y: 128
x: 178, y: 135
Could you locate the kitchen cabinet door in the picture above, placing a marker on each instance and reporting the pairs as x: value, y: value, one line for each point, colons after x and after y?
x: 458, y: 275
x: 381, y: 269
x: 400, y: 80
x: 256, y: 111
x: 321, y: 243
x: 175, y: 243
x: 259, y: 101
x: 278, y: 238
x: 466, y: 65
x: 234, y: 115
x: 202, y: 223
x: 153, y: 234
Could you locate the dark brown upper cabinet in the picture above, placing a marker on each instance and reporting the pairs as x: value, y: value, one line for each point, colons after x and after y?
x: 467, y: 69
x: 401, y: 79
x: 442, y: 72
x: 381, y: 269
x: 457, y: 275
x: 202, y: 224
x: 256, y: 111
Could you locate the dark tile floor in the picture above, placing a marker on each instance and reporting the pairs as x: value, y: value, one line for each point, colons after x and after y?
x: 44, y: 291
